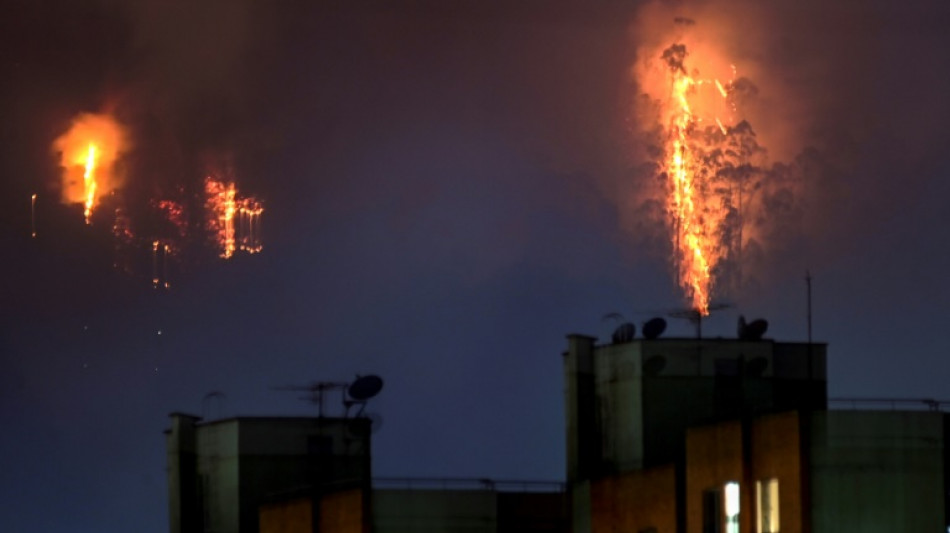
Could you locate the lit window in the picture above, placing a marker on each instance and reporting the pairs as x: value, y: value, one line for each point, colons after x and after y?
x: 731, y: 506
x: 766, y: 505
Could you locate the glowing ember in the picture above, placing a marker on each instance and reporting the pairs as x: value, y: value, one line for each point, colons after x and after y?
x: 160, y: 253
x: 88, y: 152
x: 224, y: 205
x: 33, y: 215
x: 155, y: 277
x: 174, y: 212
x: 250, y: 225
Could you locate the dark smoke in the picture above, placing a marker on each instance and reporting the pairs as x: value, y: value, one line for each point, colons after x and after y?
x: 674, y: 56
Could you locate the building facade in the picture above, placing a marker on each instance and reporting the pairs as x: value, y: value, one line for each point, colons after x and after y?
x: 424, y: 506
x: 629, y: 405
x: 729, y: 436
x: 221, y: 472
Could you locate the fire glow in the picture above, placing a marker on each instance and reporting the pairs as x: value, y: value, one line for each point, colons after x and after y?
x: 88, y: 152
x: 224, y: 206
x: 709, y: 162
x: 693, y: 219
x: 89, y: 182
x: 94, y: 177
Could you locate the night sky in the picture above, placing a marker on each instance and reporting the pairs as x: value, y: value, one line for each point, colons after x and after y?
x: 450, y: 189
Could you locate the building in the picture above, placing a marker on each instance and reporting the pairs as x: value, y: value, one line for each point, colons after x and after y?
x: 424, y: 506
x: 309, y: 475
x: 221, y: 472
x: 729, y: 435
x: 629, y: 405
x: 821, y: 472
x: 664, y: 435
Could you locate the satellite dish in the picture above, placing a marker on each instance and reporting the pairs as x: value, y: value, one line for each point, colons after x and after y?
x: 654, y: 365
x: 752, y: 331
x: 365, y: 387
x: 654, y: 327
x: 624, y: 333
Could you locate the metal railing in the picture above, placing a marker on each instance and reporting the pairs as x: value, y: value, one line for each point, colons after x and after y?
x: 891, y: 404
x: 450, y: 483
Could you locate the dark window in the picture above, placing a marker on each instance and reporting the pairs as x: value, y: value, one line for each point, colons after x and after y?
x: 712, y: 511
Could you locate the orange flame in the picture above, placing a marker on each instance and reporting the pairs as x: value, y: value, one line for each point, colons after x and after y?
x: 89, y: 149
x: 89, y: 181
x: 697, y: 118
x: 224, y: 205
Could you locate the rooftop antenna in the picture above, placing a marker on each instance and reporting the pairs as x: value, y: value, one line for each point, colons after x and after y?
x: 317, y: 390
x: 696, y: 317
x: 808, y: 300
x: 352, y: 394
x: 808, y: 318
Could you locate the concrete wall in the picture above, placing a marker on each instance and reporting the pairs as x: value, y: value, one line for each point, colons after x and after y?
x: 756, y: 450
x: 580, y: 409
x: 619, y: 397
x: 426, y: 511
x: 292, y: 516
x: 434, y: 511
x: 874, y: 471
x: 648, y: 392
x: 777, y: 453
x: 282, y: 454
x: 218, y: 479
x: 241, y: 463
x: 343, y: 512
x: 629, y: 406
x: 581, y: 507
x: 635, y: 501
x: 671, y: 405
x: 715, y: 456
x: 184, y: 510
x: 334, y: 512
x: 520, y: 512
x: 468, y: 511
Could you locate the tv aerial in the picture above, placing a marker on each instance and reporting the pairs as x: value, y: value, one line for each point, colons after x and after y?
x: 352, y: 394
x: 695, y: 316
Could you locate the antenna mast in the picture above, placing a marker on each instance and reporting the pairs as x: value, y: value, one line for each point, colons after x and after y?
x: 808, y: 300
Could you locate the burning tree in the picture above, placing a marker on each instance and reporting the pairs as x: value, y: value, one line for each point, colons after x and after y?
x: 715, y: 178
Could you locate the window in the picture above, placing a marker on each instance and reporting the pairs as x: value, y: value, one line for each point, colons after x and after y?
x: 721, y: 509
x: 766, y: 505
x: 731, y: 506
x: 712, y: 511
